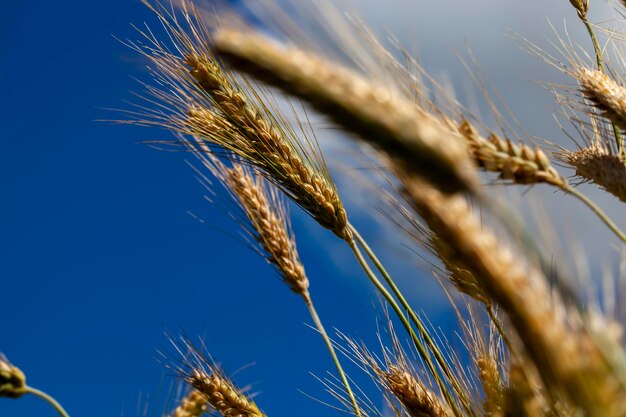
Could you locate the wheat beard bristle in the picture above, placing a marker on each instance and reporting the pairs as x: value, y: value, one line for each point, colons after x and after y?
x: 271, y: 230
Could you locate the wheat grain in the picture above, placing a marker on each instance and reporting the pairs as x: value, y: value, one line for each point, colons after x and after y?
x: 193, y: 404
x: 376, y: 113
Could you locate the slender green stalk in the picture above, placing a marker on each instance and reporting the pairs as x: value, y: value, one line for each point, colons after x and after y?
x: 496, y: 322
x: 596, y: 47
x: 54, y: 403
x: 331, y: 349
x: 619, y: 233
x: 432, y: 346
x: 423, y: 352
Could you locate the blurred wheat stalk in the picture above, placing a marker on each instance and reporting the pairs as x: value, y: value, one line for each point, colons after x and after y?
x: 544, y: 355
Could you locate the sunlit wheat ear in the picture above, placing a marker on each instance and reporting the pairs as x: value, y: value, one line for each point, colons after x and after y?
x: 597, y: 165
x: 399, y: 380
x: 12, y: 379
x: 417, y: 399
x: 206, y: 377
x: 606, y: 94
x: 194, y: 404
x: 491, y: 381
x: 554, y: 337
x: 517, y: 163
x: 194, y: 95
x: 376, y: 113
x: 267, y: 221
x: 221, y: 394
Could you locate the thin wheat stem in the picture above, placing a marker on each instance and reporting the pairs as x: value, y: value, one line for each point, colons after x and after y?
x: 598, y: 211
x: 333, y: 354
x: 498, y: 324
x: 418, y: 323
x: 423, y: 352
x: 54, y: 403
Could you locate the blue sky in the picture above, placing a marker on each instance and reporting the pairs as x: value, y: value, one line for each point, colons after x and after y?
x: 99, y: 256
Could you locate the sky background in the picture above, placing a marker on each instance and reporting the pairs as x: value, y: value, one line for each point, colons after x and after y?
x: 99, y: 255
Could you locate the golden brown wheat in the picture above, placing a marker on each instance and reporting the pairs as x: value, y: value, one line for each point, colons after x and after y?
x: 271, y: 229
x: 222, y: 395
x: 565, y: 355
x: 491, y: 381
x: 418, y: 400
x: 517, y: 163
x: 192, y: 405
x: 12, y: 379
x: 195, y: 96
x: 608, y: 96
x: 376, y: 113
x: 595, y: 164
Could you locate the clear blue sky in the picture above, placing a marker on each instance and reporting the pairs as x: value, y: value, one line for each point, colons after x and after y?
x: 98, y: 255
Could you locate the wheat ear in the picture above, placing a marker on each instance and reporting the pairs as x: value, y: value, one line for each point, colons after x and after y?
x: 553, y: 336
x: 595, y: 164
x: 523, y: 165
x: 417, y: 399
x: 12, y: 379
x: 221, y: 394
x: 268, y: 224
x: 605, y: 93
x: 195, y: 96
x: 194, y: 404
x: 376, y: 113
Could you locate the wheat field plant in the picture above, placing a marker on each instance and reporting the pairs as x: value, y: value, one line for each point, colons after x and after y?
x: 302, y: 122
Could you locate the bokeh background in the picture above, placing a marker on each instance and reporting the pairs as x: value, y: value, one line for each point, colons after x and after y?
x: 99, y: 255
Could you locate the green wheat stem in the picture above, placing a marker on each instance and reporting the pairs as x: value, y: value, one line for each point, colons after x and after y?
x: 596, y: 47
x: 496, y: 322
x: 598, y: 211
x: 54, y: 403
x: 423, y: 352
x: 418, y: 323
x: 331, y: 349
